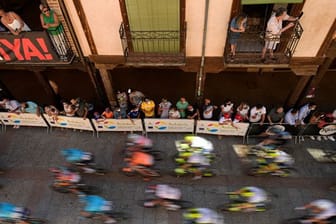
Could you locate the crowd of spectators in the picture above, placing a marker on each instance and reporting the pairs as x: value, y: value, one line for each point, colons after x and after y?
x: 135, y: 105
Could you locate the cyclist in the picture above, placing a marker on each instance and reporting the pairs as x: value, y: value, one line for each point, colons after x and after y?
x: 275, y: 138
x: 65, y: 178
x: 12, y: 213
x: 199, y: 142
x: 79, y: 157
x: 274, y: 160
x: 321, y: 210
x: 202, y: 216
x: 166, y: 195
x: 250, y: 197
x: 139, y: 160
x: 96, y: 206
x: 139, y: 141
x: 198, y: 161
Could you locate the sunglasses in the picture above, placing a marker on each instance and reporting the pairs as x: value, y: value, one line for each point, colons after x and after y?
x: 45, y: 11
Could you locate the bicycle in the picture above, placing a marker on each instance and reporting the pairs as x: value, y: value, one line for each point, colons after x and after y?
x: 236, y: 204
x: 142, y: 170
x: 87, y: 168
x: 190, y: 171
x: 281, y: 172
x: 74, y: 188
x: 26, y: 218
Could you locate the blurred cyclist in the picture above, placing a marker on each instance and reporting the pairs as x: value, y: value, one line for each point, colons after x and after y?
x: 166, y: 195
x: 274, y: 160
x: 139, y: 160
x: 12, y: 213
x: 96, y: 206
x: 275, y: 138
x: 198, y: 161
x: 202, y: 216
x: 321, y: 210
x: 251, y: 197
x: 139, y: 141
x: 199, y: 142
x: 64, y: 177
x: 79, y: 157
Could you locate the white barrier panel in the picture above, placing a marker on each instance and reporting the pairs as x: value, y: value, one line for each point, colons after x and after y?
x: 22, y: 119
x: 117, y: 125
x: 214, y: 128
x: 169, y: 125
x: 70, y: 122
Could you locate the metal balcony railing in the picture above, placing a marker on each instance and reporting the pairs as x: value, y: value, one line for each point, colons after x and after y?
x: 153, y: 47
x: 251, y: 43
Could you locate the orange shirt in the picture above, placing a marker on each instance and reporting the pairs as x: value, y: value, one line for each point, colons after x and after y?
x: 107, y: 114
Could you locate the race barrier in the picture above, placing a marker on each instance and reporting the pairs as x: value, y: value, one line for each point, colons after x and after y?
x: 117, y: 125
x: 327, y: 129
x: 169, y: 125
x: 257, y: 130
x: 215, y: 128
x: 69, y: 122
x: 22, y: 119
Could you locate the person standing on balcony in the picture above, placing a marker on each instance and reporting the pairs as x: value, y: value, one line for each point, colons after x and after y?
x: 237, y: 26
x: 274, y: 30
x: 51, y: 23
x: 13, y: 22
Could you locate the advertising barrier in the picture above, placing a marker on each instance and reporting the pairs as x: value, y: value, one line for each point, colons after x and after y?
x: 117, y: 125
x: 169, y: 125
x: 214, y: 128
x: 22, y: 119
x: 70, y: 122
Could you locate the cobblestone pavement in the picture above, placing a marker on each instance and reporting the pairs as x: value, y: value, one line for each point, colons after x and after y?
x: 27, y: 153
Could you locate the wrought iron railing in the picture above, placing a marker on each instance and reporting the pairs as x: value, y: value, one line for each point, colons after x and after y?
x: 153, y: 46
x: 251, y: 43
x: 61, y: 44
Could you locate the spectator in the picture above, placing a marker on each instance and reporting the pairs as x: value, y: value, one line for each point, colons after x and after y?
x: 52, y: 112
x: 69, y: 109
x: 51, y: 23
x: 258, y: 114
x: 30, y: 107
x: 242, y: 112
x: 227, y: 107
x: 12, y: 106
x: 276, y: 115
x: 208, y: 109
x: 13, y: 22
x: 148, y: 108
x: 274, y: 30
x: 98, y: 117
x: 117, y: 113
x: 164, y: 106
x: 292, y: 117
x: 174, y: 113
x: 82, y: 107
x: 305, y: 111
x: 134, y: 113
x: 226, y: 119
x: 192, y: 112
x: 182, y: 105
x: 107, y: 114
x: 136, y: 97
x: 237, y: 26
x: 123, y: 105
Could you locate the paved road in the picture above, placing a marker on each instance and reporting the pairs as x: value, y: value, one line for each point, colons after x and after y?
x: 27, y: 153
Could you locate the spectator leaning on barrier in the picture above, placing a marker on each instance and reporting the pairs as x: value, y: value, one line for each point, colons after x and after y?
x: 134, y: 113
x: 123, y: 104
x: 52, y: 112
x: 182, y: 105
x: 227, y: 107
x: 107, y: 114
x: 174, y: 113
x: 192, y: 112
x: 276, y: 115
x: 258, y: 114
x: 12, y: 106
x: 305, y: 111
x: 242, y: 112
x: 69, y: 109
x: 13, y: 22
x: 30, y: 107
x: 208, y: 109
x: 292, y: 117
x: 163, y: 109
x: 82, y: 107
x: 148, y: 107
x: 117, y: 113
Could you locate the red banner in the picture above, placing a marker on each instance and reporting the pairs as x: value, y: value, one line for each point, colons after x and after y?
x: 32, y: 47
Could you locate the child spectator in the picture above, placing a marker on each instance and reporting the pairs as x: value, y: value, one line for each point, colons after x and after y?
x: 174, y: 113
x: 107, y: 114
x: 164, y: 106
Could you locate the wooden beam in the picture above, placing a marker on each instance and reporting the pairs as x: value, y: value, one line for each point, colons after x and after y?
x: 297, y: 92
x: 46, y: 86
x: 85, y: 26
x: 107, y: 82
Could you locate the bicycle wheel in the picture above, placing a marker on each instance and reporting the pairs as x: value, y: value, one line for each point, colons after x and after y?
x: 118, y: 216
x: 35, y: 221
x: 149, y: 173
x: 184, y: 204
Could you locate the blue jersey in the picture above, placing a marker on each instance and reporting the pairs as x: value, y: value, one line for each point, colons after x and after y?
x: 73, y: 155
x: 94, y: 203
x: 6, y: 210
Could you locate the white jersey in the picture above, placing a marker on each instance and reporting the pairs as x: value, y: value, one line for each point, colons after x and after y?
x: 209, y: 216
x: 328, y: 208
x: 198, y: 142
x: 284, y: 158
x: 166, y: 192
x: 259, y: 195
x: 198, y: 158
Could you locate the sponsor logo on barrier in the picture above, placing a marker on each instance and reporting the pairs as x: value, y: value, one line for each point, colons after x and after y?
x: 328, y: 130
x: 117, y: 125
x: 169, y: 125
x: 69, y: 122
x: 24, y: 119
x: 211, y: 127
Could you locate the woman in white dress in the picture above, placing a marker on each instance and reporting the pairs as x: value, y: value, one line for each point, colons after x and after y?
x: 13, y: 22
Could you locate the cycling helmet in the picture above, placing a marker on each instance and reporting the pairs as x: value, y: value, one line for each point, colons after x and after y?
x: 192, y: 214
x: 246, y: 192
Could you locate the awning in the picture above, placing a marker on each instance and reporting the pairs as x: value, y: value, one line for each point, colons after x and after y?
x: 256, y: 2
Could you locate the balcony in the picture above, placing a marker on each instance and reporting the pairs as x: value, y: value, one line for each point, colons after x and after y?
x: 35, y: 48
x: 251, y: 43
x: 146, y: 48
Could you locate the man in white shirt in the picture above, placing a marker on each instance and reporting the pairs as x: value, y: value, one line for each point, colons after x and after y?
x: 305, y: 111
x: 258, y: 114
x: 292, y: 117
x: 274, y: 30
